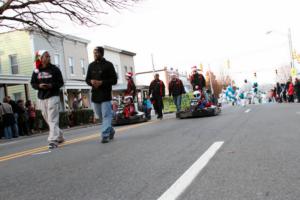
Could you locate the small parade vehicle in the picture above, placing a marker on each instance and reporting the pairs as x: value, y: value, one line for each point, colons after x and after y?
x: 199, y: 107
x: 125, y: 113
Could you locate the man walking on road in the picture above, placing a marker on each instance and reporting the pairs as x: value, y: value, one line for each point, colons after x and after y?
x: 101, y: 76
x: 176, y: 89
x: 157, y: 90
x: 48, y: 80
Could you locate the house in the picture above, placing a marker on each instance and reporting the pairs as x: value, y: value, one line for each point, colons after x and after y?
x: 123, y: 62
x: 68, y: 52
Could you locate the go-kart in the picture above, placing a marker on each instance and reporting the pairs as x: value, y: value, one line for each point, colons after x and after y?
x: 199, y: 111
x: 122, y: 118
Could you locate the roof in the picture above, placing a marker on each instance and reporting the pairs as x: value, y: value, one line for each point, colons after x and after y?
x: 119, y: 50
x: 55, y: 33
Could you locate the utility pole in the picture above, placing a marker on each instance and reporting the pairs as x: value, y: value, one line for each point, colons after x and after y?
x: 291, y: 47
x: 153, y: 68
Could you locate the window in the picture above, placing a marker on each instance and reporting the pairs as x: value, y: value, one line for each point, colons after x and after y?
x: 82, y: 66
x: 131, y: 69
x: 126, y: 70
x: 56, y: 60
x: 17, y: 96
x: 14, y: 64
x: 71, y: 65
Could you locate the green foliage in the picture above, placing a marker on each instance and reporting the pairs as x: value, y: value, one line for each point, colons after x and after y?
x: 169, y: 105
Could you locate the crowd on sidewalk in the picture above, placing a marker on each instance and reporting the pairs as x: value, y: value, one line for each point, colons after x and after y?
x: 17, y: 118
x: 288, y: 92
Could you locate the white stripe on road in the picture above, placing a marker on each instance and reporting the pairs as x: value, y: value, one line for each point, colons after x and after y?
x: 187, y: 178
x: 248, y: 110
x: 298, y: 113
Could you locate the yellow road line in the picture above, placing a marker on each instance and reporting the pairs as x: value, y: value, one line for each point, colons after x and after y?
x: 73, y: 141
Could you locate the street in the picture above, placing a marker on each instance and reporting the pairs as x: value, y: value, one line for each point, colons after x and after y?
x: 257, y: 158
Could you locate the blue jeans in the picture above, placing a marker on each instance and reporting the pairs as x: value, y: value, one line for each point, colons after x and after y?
x: 104, y: 111
x: 15, y: 128
x: 8, y: 132
x: 177, y: 102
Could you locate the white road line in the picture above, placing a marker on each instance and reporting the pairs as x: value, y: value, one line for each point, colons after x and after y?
x: 40, y: 153
x: 298, y: 113
x: 187, y: 178
x: 248, y: 110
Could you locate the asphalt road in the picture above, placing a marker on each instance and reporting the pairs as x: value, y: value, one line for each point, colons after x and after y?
x: 259, y: 159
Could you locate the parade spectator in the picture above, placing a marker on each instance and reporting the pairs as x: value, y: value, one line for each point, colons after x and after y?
x: 15, y: 129
x: 278, y: 92
x: 31, y: 115
x: 101, y: 76
x: 297, y: 89
x: 176, y: 89
x: 48, y: 80
x: 22, y: 118
x: 157, y: 90
x: 8, y: 119
x: 291, y: 92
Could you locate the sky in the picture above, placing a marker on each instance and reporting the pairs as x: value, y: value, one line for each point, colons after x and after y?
x: 181, y: 34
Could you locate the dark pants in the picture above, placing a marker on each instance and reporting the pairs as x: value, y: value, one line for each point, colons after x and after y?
x: 158, y: 106
x: 291, y: 98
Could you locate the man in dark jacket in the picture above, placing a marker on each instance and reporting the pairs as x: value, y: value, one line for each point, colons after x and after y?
x: 48, y: 80
x: 157, y: 90
x: 197, y: 80
x: 176, y: 89
x: 101, y: 76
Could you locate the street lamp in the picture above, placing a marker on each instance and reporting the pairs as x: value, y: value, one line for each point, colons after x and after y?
x: 289, y: 35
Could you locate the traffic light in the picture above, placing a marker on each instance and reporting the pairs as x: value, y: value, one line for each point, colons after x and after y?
x: 254, y: 74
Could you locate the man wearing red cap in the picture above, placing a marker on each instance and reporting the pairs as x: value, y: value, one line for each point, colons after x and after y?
x: 131, y: 88
x: 48, y: 80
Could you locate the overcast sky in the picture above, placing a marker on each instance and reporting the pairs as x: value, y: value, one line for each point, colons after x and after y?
x: 181, y: 34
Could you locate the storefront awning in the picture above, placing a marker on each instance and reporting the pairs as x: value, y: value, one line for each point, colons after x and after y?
x: 78, y: 85
x: 14, y: 79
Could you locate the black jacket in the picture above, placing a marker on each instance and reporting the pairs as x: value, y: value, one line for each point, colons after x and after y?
x: 48, y: 75
x: 102, y: 70
x: 176, y: 87
x: 157, y: 89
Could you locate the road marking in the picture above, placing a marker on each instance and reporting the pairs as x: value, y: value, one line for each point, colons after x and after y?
x: 187, y: 178
x: 68, y: 142
x: 40, y: 153
x: 298, y: 113
x: 248, y: 110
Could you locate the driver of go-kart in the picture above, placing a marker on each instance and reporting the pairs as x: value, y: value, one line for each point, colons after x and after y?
x: 129, y: 109
x: 199, y: 101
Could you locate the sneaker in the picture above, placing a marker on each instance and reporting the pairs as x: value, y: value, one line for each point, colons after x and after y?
x: 52, y: 145
x: 105, y: 140
x: 112, y: 134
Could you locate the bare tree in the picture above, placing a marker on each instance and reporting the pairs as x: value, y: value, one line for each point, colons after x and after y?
x: 39, y: 13
x: 283, y: 73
